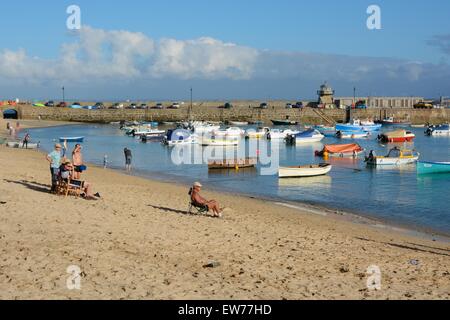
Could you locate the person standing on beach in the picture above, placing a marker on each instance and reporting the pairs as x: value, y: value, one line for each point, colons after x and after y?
x: 25, y: 141
x: 105, y: 161
x: 77, y: 160
x: 54, y: 158
x: 128, y: 159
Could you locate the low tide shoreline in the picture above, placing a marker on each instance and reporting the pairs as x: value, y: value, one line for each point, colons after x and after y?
x: 138, y: 243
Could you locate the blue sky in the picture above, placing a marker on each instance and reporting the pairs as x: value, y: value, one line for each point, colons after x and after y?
x: 335, y: 29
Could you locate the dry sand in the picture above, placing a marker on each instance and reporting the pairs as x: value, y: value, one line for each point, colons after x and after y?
x: 138, y: 243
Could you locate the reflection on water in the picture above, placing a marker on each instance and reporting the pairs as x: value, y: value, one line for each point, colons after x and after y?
x: 396, y: 194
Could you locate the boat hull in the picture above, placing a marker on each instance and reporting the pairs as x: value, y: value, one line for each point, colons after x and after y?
x: 424, y: 167
x: 392, y: 161
x: 314, y: 139
x: 71, y: 139
x: 355, y: 128
x: 304, y: 171
x: 284, y: 123
x: 18, y: 145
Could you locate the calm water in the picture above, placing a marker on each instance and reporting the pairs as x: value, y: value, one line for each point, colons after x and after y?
x: 391, y: 194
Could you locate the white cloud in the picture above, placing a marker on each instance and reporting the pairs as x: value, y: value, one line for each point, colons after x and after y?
x: 98, y: 56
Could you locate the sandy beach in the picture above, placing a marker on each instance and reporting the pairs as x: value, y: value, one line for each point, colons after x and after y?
x: 137, y: 242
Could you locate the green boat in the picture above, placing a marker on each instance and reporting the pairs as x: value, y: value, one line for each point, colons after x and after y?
x: 424, y: 167
x: 284, y: 123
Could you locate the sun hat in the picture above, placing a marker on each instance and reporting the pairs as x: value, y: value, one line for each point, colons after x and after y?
x: 198, y: 184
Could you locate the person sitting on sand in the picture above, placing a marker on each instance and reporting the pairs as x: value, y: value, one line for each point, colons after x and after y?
x: 197, y: 199
x: 67, y: 170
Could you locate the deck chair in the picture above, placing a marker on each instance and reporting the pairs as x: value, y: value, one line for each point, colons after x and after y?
x: 69, y: 186
x: 195, y: 208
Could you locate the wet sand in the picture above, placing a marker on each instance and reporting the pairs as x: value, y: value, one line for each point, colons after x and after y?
x: 137, y: 242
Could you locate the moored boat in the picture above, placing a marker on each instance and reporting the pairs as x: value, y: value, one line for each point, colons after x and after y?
x: 19, y: 145
x: 429, y: 167
x: 304, y: 171
x: 352, y: 135
x: 352, y: 150
x: 214, y: 142
x: 256, y: 134
x: 276, y: 134
x: 308, y: 136
x: 358, y: 125
x: 228, y: 132
x: 71, y: 139
x: 440, y: 130
x: 180, y: 137
x: 284, y: 123
x: 238, y: 123
x: 395, y: 157
x: 391, y: 121
x: 397, y: 136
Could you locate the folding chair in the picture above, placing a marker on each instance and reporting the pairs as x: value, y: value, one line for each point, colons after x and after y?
x: 198, y: 208
x: 69, y: 186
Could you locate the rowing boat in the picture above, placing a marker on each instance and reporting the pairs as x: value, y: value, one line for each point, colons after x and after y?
x: 71, y: 139
x: 232, y: 163
x: 428, y: 167
x: 304, y: 171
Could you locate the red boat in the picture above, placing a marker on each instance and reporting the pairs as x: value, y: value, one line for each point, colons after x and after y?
x: 397, y: 136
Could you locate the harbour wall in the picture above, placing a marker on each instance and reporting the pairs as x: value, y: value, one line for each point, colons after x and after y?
x: 237, y: 113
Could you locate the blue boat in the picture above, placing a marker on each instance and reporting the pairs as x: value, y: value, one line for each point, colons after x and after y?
x: 425, y: 167
x: 358, y: 125
x: 71, y: 139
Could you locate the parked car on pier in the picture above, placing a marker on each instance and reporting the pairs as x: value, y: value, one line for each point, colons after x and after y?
x: 143, y: 106
x: 50, y: 103
x: 62, y: 105
x: 158, y: 106
x: 289, y: 105
x: 99, y: 105
x: 174, y: 105
x: 298, y: 105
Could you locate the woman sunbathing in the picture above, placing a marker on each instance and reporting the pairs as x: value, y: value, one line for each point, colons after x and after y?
x: 197, y: 199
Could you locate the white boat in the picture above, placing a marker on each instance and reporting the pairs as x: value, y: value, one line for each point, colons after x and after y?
x: 238, y: 123
x: 352, y: 135
x: 308, y: 136
x: 228, y: 132
x: 180, y: 137
x: 148, y: 133
x: 275, y: 134
x: 441, y: 130
x: 219, y: 142
x: 358, y: 125
x: 395, y: 157
x: 204, y: 128
x: 304, y: 171
x: 256, y: 134
x: 18, y: 145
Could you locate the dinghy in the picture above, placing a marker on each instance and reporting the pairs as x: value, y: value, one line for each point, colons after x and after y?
x: 71, y: 139
x: 258, y: 134
x: 397, y: 136
x: 308, y: 136
x: 428, y: 167
x: 220, y: 142
x: 228, y: 132
x: 305, y: 171
x: 180, y: 137
x: 395, y: 157
x: 352, y: 135
x: 284, y: 123
x: 276, y: 134
x: 18, y: 145
x: 341, y: 150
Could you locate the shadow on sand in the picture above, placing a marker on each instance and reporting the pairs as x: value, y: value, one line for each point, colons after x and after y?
x: 35, y: 186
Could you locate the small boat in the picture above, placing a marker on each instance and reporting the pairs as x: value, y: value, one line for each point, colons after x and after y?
x: 418, y: 126
x: 428, y: 167
x: 238, y: 123
x: 180, y: 137
x: 308, y: 136
x: 441, y: 130
x: 392, y: 122
x: 305, y: 171
x: 228, y: 132
x: 276, y: 134
x: 220, y: 142
x: 71, y: 139
x: 341, y: 150
x: 258, y: 123
x: 397, y: 136
x: 358, y: 125
x: 202, y: 128
x: 284, y: 123
x: 152, y: 136
x: 147, y: 133
x: 352, y: 135
x: 232, y: 163
x: 258, y: 134
x: 18, y: 145
x: 395, y: 157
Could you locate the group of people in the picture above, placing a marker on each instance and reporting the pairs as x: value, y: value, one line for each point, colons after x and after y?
x: 61, y: 168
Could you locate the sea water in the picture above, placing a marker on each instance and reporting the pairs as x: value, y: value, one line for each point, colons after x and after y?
x: 393, y: 194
